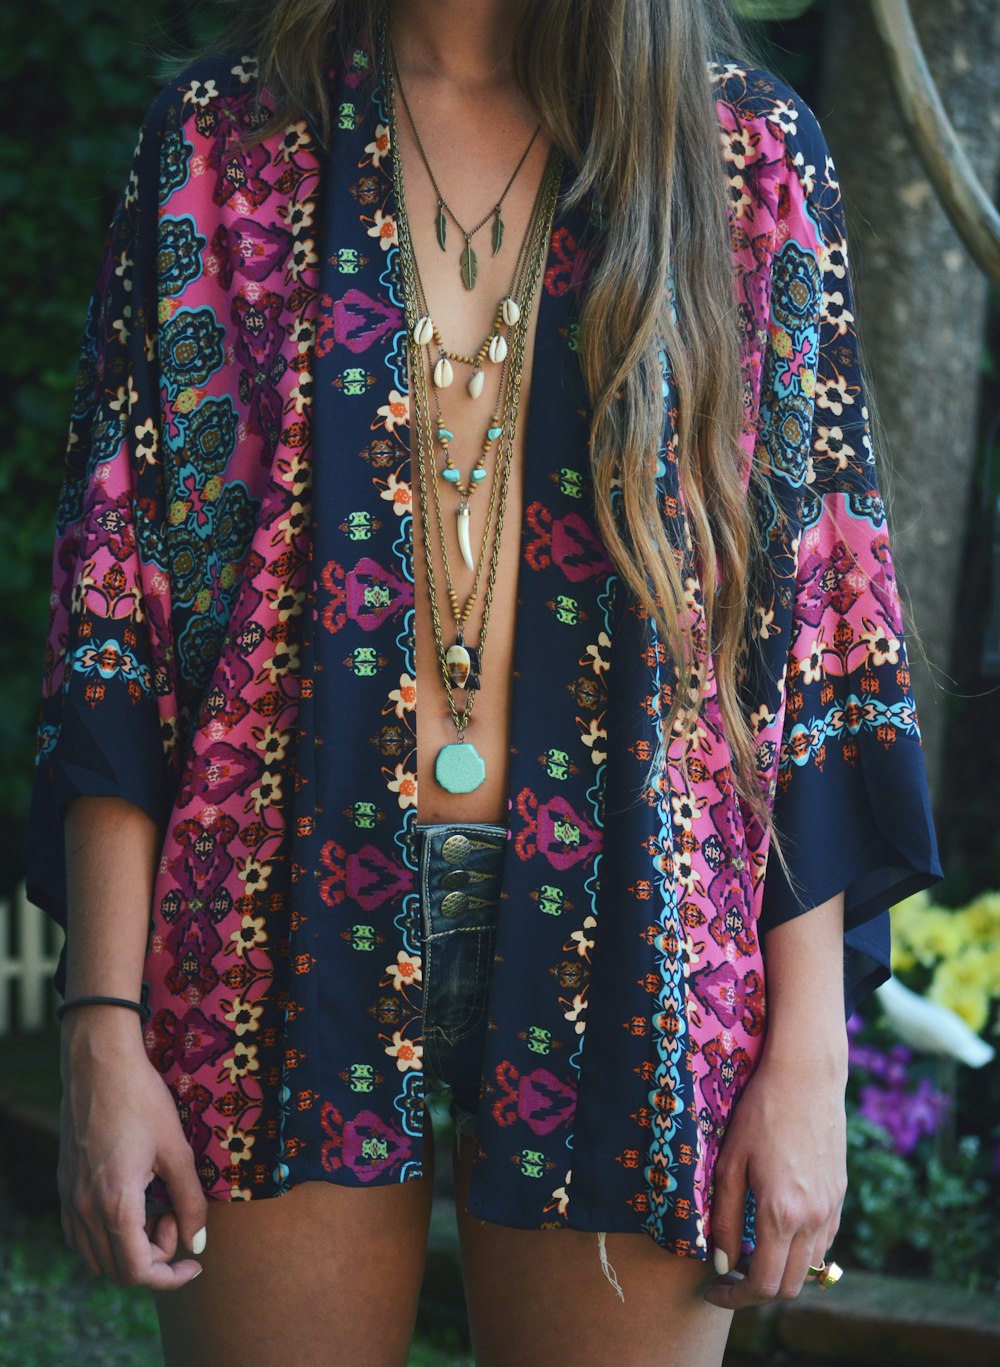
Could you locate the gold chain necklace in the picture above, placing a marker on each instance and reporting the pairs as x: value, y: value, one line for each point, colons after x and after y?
x: 469, y: 264
x: 459, y: 768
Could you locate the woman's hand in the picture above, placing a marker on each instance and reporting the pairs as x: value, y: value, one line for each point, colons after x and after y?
x: 119, y: 1128
x: 787, y: 1141
x: 787, y: 1134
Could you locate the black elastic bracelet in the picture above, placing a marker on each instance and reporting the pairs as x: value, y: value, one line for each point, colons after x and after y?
x: 141, y: 1007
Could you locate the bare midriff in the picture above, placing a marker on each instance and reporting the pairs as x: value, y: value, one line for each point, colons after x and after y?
x: 471, y: 171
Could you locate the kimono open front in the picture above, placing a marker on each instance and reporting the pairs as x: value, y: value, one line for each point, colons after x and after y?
x: 232, y: 648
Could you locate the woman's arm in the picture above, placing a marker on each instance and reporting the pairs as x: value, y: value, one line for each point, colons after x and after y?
x: 786, y: 1139
x: 119, y: 1124
x: 111, y: 852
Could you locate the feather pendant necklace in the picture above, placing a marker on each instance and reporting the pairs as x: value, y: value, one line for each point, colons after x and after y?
x: 468, y: 261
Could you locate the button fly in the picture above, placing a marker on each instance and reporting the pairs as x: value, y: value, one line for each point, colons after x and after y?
x: 456, y: 847
x: 453, y: 904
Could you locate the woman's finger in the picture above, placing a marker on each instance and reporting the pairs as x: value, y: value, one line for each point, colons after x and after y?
x: 823, y: 1247
x: 83, y: 1245
x: 177, y: 1168
x: 763, y: 1279
x: 728, y: 1206
x: 138, y: 1259
x: 132, y: 1250
x: 163, y: 1232
x: 797, y: 1264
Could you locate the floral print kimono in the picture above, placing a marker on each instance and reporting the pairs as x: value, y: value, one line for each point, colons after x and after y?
x: 232, y: 649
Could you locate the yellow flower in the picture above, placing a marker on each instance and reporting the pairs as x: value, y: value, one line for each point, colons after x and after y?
x: 960, y: 984
x: 903, y: 959
x: 981, y: 921
x: 940, y: 937
x: 927, y: 931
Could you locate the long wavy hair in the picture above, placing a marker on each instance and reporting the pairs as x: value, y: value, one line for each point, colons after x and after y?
x: 623, y: 91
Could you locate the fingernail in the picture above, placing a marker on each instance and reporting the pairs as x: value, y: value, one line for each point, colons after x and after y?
x: 197, y: 1274
x: 719, y: 1257
x: 198, y: 1242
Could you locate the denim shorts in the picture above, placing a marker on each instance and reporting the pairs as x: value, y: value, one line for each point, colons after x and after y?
x: 461, y: 874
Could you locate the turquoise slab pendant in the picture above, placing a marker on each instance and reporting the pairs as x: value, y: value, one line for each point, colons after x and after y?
x: 460, y: 768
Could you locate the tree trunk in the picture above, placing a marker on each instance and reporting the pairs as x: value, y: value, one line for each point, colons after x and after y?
x: 921, y: 305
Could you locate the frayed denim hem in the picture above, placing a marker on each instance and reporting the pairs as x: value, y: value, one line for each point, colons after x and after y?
x: 606, y: 1267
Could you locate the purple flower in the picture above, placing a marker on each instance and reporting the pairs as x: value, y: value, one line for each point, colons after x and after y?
x: 887, y: 1066
x: 905, y: 1116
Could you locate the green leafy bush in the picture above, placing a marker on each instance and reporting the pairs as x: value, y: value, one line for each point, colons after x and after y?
x: 916, y: 1214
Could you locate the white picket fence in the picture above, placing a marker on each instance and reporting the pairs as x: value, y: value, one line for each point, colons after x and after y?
x: 29, y: 951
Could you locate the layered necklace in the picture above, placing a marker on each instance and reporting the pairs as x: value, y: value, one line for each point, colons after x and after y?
x: 468, y: 262
x: 459, y: 767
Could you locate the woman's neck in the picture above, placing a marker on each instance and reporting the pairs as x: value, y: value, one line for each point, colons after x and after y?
x: 466, y: 43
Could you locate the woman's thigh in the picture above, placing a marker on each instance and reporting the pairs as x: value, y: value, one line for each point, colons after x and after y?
x: 325, y: 1275
x: 541, y: 1297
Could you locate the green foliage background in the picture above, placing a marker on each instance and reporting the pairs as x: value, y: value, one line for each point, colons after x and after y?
x: 76, y: 77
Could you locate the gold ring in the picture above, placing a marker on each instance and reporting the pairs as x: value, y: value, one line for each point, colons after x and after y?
x: 828, y: 1274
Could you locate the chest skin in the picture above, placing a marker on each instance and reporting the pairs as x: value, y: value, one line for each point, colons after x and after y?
x: 473, y: 144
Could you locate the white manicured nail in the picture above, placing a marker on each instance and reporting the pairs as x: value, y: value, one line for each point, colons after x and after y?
x: 198, y: 1243
x: 721, y: 1260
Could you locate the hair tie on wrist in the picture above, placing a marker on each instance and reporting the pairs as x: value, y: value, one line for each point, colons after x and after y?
x: 140, y: 1007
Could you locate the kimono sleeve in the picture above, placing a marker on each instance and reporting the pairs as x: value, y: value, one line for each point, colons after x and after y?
x: 851, y: 806
x: 107, y: 707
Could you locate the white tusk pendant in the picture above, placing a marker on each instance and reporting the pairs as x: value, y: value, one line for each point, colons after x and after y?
x: 464, y: 543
